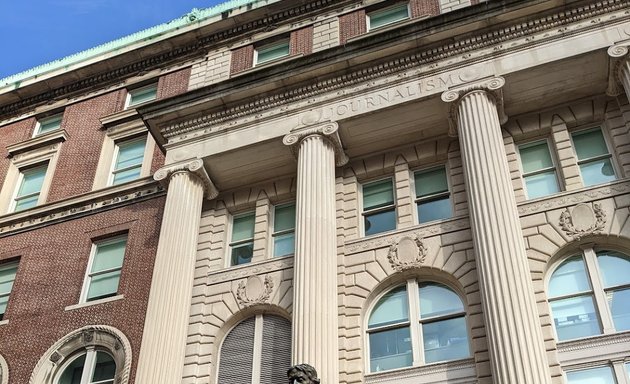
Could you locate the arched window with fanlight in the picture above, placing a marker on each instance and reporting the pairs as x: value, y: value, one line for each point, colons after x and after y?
x: 89, y: 367
x: 416, y: 324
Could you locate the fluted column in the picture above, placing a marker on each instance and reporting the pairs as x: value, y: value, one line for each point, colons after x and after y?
x: 163, y: 345
x: 619, y: 70
x: 516, y: 344
x: 315, y: 316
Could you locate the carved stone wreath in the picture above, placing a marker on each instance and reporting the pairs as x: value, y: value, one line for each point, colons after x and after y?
x: 407, y: 253
x: 583, y: 220
x: 253, y: 286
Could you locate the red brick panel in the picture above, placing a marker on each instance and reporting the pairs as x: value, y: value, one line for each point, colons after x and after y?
x: 13, y: 134
x: 301, y: 41
x: 158, y: 160
x: 422, y: 8
x: 242, y: 59
x: 473, y: 2
x: 78, y: 157
x: 174, y: 83
x: 52, y: 263
x: 351, y: 25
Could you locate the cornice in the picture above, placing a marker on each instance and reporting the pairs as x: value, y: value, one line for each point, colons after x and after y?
x: 79, y: 206
x: 39, y: 141
x: 485, y: 44
x: 181, y: 52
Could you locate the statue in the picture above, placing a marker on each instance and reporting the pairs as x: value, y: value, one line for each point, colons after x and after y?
x: 302, y: 374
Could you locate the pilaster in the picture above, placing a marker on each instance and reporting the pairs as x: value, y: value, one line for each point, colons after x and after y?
x: 165, y: 330
x: 516, y: 344
x: 315, y: 317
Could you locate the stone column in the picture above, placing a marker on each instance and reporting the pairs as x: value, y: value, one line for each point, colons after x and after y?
x: 166, y: 325
x: 315, y: 316
x: 619, y: 70
x: 515, y: 340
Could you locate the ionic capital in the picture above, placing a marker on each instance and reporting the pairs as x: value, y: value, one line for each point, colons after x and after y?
x: 618, y: 56
x: 194, y: 167
x: 328, y: 130
x: 491, y: 86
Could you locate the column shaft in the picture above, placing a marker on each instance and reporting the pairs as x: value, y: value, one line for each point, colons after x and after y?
x: 624, y: 74
x: 516, y: 344
x: 166, y: 324
x: 315, y: 334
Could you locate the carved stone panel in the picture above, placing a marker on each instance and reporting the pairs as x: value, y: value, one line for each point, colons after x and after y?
x: 583, y: 220
x: 254, y: 291
x: 407, y: 253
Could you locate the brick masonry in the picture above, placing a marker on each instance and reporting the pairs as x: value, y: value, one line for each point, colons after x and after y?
x: 52, y: 264
x: 242, y: 59
x: 351, y: 25
x: 301, y: 41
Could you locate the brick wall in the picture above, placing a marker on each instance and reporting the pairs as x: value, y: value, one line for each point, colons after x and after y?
x: 11, y: 134
x: 50, y: 276
x: 173, y: 83
x: 423, y: 8
x: 242, y: 59
x: 351, y: 25
x: 301, y: 41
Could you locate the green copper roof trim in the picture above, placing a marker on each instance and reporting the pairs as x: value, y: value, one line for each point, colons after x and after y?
x: 194, y: 16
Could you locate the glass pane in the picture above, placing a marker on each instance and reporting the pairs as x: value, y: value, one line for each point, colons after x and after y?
x: 569, y: 277
x: 380, y: 222
x: 589, y: 144
x: 619, y: 303
x: 535, y: 157
x: 143, y: 95
x: 379, y: 194
x: 105, y: 368
x: 438, y: 300
x: 243, y: 228
x: 434, y: 210
x: 388, y: 16
x: 3, y: 305
x: 72, y: 374
x: 7, y: 276
x: 242, y: 254
x: 272, y: 52
x: 542, y: 184
x: 431, y: 182
x: 392, y: 308
x: 32, y: 180
x: 49, y: 124
x: 26, y: 203
x: 284, y: 218
x: 104, y: 285
x: 575, y: 318
x: 130, y: 153
x: 445, y: 340
x: 597, y: 172
x: 615, y: 268
x: 284, y: 244
x: 601, y: 375
x: 390, y: 349
x: 126, y: 176
x: 109, y: 255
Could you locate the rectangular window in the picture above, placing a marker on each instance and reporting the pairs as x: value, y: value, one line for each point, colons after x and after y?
x: 284, y: 230
x: 48, y: 124
x: 104, y: 269
x: 379, y: 207
x: 7, y: 277
x: 433, y: 197
x: 539, y: 170
x: 271, y: 52
x: 242, y: 244
x: 599, y: 375
x: 594, y: 159
x: 387, y: 16
x: 128, y: 158
x: 141, y: 95
x: 30, y: 185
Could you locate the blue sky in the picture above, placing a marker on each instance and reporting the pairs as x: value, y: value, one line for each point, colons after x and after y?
x: 34, y: 32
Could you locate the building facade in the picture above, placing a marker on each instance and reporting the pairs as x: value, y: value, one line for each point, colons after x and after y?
x: 411, y: 191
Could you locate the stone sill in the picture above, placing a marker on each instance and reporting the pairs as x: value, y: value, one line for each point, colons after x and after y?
x: 38, y: 142
x: 267, y: 65
x: 4, y: 322
x: 95, y: 302
x: 430, y: 373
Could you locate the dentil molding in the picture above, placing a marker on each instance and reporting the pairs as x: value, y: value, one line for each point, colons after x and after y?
x: 195, y: 167
x: 329, y: 131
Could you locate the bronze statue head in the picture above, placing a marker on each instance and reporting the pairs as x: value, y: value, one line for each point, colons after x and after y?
x: 302, y: 374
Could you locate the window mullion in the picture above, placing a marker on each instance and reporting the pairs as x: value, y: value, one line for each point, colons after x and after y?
x: 620, y: 372
x: 90, y: 365
x: 414, y: 322
x: 598, y: 291
x: 257, y: 355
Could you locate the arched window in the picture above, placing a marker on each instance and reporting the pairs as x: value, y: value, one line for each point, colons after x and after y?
x: 256, y: 350
x: 589, y: 294
x: 415, y: 324
x: 89, y: 367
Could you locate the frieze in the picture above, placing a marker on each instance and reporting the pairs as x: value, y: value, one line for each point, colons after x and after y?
x: 260, y: 268
x: 453, y: 54
x: 86, y: 205
x: 573, y: 198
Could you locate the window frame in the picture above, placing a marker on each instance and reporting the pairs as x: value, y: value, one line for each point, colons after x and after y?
x: 131, y: 91
x: 231, y: 243
x: 113, y: 170
x: 20, y: 180
x: 385, y: 9
x: 417, y: 200
x: 88, y: 275
x: 363, y: 212
x: 3, y: 267
x: 554, y: 167
x: 610, y: 155
x: 90, y: 353
x: 617, y: 368
x: 274, y: 234
x: 40, y: 121
x: 414, y: 322
x: 276, y: 43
